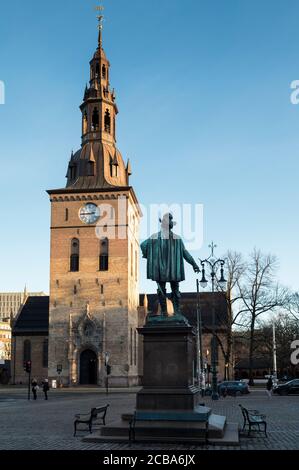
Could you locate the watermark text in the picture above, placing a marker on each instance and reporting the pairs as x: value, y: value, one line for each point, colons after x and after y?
x: 2, y: 92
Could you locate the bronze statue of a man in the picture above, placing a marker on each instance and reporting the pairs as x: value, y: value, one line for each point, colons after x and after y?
x: 165, y: 253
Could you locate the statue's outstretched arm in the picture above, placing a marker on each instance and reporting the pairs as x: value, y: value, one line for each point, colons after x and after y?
x: 190, y: 260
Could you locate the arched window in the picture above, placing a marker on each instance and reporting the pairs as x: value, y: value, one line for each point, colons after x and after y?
x: 95, y: 119
x: 88, y: 329
x: 135, y: 348
x: 66, y: 218
x: 73, y: 171
x: 97, y: 71
x: 90, y: 169
x: 104, y: 71
x: 104, y: 254
x: 113, y: 167
x: 131, y: 346
x: 132, y: 261
x: 27, y: 350
x: 74, y: 261
x: 105, y: 91
x: 107, y: 121
x: 45, y: 353
x: 85, y: 123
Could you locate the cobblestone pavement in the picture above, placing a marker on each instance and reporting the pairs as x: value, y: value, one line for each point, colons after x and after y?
x: 43, y: 425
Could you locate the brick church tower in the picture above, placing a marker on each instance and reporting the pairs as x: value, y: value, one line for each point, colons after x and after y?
x: 94, y: 265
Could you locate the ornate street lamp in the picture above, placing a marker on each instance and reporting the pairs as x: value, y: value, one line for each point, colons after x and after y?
x: 213, y: 264
x: 199, y: 356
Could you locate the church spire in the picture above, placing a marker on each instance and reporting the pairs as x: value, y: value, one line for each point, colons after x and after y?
x: 99, y: 108
x: 98, y: 164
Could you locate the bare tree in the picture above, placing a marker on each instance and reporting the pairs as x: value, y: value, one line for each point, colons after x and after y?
x: 235, y: 269
x: 287, y: 329
x: 260, y: 294
x: 292, y: 305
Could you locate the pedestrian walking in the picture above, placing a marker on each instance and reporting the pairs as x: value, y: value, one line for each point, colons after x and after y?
x: 269, y: 387
x: 34, y: 388
x: 46, y: 388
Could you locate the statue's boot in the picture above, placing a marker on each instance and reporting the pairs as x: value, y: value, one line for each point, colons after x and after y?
x: 162, y: 301
x: 175, y: 298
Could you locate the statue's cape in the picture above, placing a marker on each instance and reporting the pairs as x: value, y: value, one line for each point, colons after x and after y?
x: 165, y: 258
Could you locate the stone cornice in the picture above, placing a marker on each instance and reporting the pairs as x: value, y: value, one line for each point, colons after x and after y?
x: 82, y: 197
x: 65, y: 195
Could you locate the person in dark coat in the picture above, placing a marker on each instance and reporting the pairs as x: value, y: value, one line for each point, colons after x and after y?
x: 46, y: 388
x: 269, y: 387
x: 34, y: 388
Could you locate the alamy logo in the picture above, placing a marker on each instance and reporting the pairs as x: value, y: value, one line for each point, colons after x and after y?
x: 295, y: 353
x: 188, y: 221
x: 295, y: 94
x: 2, y: 92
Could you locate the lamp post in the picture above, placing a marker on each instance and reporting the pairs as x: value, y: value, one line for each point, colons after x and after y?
x: 108, y: 370
x: 59, y: 370
x: 274, y: 356
x: 200, y: 366
x: 213, y: 264
x: 208, y: 367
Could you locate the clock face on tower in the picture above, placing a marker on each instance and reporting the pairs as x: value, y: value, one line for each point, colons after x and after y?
x: 89, y: 214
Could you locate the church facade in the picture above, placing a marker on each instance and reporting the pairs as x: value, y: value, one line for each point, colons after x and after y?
x: 94, y: 265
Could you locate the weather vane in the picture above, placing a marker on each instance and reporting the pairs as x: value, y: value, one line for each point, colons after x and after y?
x: 100, y: 17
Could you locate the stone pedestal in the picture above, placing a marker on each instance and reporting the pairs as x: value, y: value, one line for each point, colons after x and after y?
x: 168, y: 405
x: 168, y: 368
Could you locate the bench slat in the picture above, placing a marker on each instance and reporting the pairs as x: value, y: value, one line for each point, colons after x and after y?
x: 145, y: 416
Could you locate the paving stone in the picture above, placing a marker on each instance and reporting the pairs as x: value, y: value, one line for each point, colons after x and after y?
x: 48, y: 425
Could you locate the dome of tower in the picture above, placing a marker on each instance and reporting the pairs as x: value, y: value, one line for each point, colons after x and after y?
x: 97, y: 166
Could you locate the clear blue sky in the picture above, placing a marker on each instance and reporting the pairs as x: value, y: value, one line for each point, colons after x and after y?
x: 203, y: 89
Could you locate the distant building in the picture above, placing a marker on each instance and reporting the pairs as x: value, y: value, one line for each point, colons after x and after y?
x: 5, y: 341
x: 10, y: 302
x: 30, y: 340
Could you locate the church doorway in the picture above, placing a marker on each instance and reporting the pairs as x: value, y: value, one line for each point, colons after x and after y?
x: 88, y: 367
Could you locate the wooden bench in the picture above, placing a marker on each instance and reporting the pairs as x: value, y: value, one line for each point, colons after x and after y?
x: 253, y: 418
x: 96, y: 417
x: 141, y: 417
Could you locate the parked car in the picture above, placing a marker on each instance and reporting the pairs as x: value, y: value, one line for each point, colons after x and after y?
x: 288, y: 388
x: 233, y: 387
x: 285, y: 378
